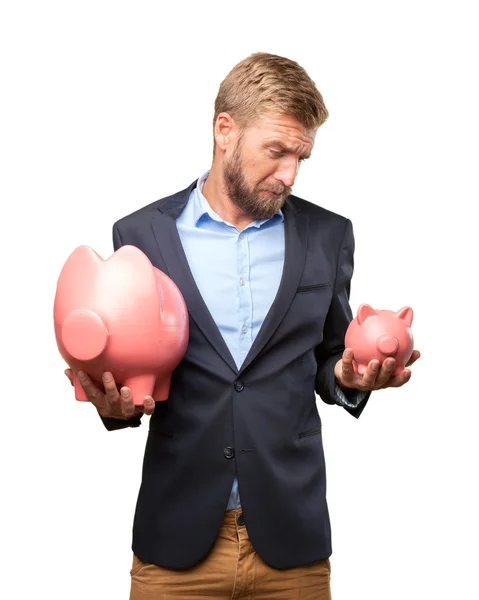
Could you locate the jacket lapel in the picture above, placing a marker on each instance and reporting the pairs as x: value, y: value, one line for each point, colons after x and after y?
x: 174, y: 257
x: 296, y: 225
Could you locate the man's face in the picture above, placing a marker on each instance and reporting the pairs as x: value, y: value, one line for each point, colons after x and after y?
x: 260, y: 172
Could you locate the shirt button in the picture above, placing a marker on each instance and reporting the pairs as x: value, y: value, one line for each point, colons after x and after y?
x: 239, y: 385
x: 229, y: 452
x: 241, y: 236
x: 242, y: 281
x: 244, y: 329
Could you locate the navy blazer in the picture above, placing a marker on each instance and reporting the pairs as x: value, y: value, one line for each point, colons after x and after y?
x: 260, y: 421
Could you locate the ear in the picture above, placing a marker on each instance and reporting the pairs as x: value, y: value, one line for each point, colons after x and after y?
x: 223, y: 128
x: 84, y: 262
x: 77, y: 279
x: 128, y: 280
x: 128, y: 273
x: 405, y: 314
x: 364, y: 312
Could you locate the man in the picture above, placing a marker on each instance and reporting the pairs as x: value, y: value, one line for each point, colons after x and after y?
x: 232, y: 502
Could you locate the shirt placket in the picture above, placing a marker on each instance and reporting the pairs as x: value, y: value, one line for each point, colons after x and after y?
x: 245, y: 314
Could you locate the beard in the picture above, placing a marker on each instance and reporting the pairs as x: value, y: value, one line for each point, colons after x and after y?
x: 248, y: 198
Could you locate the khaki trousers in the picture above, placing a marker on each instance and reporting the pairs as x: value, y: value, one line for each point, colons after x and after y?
x: 231, y: 570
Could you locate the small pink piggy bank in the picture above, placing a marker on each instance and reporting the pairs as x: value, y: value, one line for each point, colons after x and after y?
x: 378, y: 334
x: 120, y: 315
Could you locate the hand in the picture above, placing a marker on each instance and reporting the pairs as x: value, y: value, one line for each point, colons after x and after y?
x: 110, y: 402
x: 376, y: 376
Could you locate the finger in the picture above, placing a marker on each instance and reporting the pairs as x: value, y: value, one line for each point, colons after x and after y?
x: 111, y: 390
x: 385, y: 372
x: 69, y: 374
x: 125, y: 404
x: 400, y: 379
x: 347, y: 369
x: 93, y: 394
x: 414, y: 356
x: 369, y: 378
x: 148, y: 405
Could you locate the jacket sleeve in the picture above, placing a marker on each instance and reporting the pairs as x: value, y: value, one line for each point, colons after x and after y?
x: 111, y: 423
x: 337, y: 321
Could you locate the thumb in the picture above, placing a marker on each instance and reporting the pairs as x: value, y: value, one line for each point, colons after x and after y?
x: 347, y: 369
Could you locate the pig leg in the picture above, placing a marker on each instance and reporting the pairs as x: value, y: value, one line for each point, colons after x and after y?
x: 79, y: 391
x: 140, y: 386
x: 162, y: 387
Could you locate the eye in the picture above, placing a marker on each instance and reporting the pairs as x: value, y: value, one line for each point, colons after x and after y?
x: 276, y: 154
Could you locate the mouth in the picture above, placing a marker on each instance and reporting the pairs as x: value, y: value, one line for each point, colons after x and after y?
x: 271, y: 194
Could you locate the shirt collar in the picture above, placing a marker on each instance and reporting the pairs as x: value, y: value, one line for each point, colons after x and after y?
x: 202, y: 207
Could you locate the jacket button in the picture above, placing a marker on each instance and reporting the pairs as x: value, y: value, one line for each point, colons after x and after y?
x: 240, y: 520
x: 229, y: 452
x: 239, y: 385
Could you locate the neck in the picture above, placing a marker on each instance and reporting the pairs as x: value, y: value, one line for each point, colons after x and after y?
x: 214, y: 190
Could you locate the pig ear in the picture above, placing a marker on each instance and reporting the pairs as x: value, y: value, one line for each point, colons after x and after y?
x: 405, y: 314
x: 77, y: 278
x: 84, y: 261
x: 365, y: 311
x: 129, y: 264
x: 128, y: 277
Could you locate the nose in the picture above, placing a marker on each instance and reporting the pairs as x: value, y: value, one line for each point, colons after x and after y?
x: 287, y: 171
x: 84, y: 334
x: 387, y: 345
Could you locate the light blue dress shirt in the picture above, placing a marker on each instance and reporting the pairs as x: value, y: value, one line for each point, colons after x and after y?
x: 237, y: 273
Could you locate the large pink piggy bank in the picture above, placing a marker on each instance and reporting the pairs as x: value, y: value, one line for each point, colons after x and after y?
x: 378, y: 334
x: 120, y: 315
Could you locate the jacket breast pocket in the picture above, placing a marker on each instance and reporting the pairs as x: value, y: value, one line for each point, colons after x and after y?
x: 309, y: 432
x: 313, y: 287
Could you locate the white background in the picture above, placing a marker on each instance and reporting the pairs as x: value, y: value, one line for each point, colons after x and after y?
x: 106, y: 107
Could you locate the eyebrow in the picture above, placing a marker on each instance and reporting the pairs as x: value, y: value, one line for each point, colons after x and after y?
x: 281, y: 146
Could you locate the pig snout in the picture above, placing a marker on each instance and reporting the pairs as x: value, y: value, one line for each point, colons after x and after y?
x: 387, y: 345
x: 84, y: 334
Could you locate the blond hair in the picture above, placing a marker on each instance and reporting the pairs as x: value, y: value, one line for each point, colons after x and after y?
x: 267, y: 82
